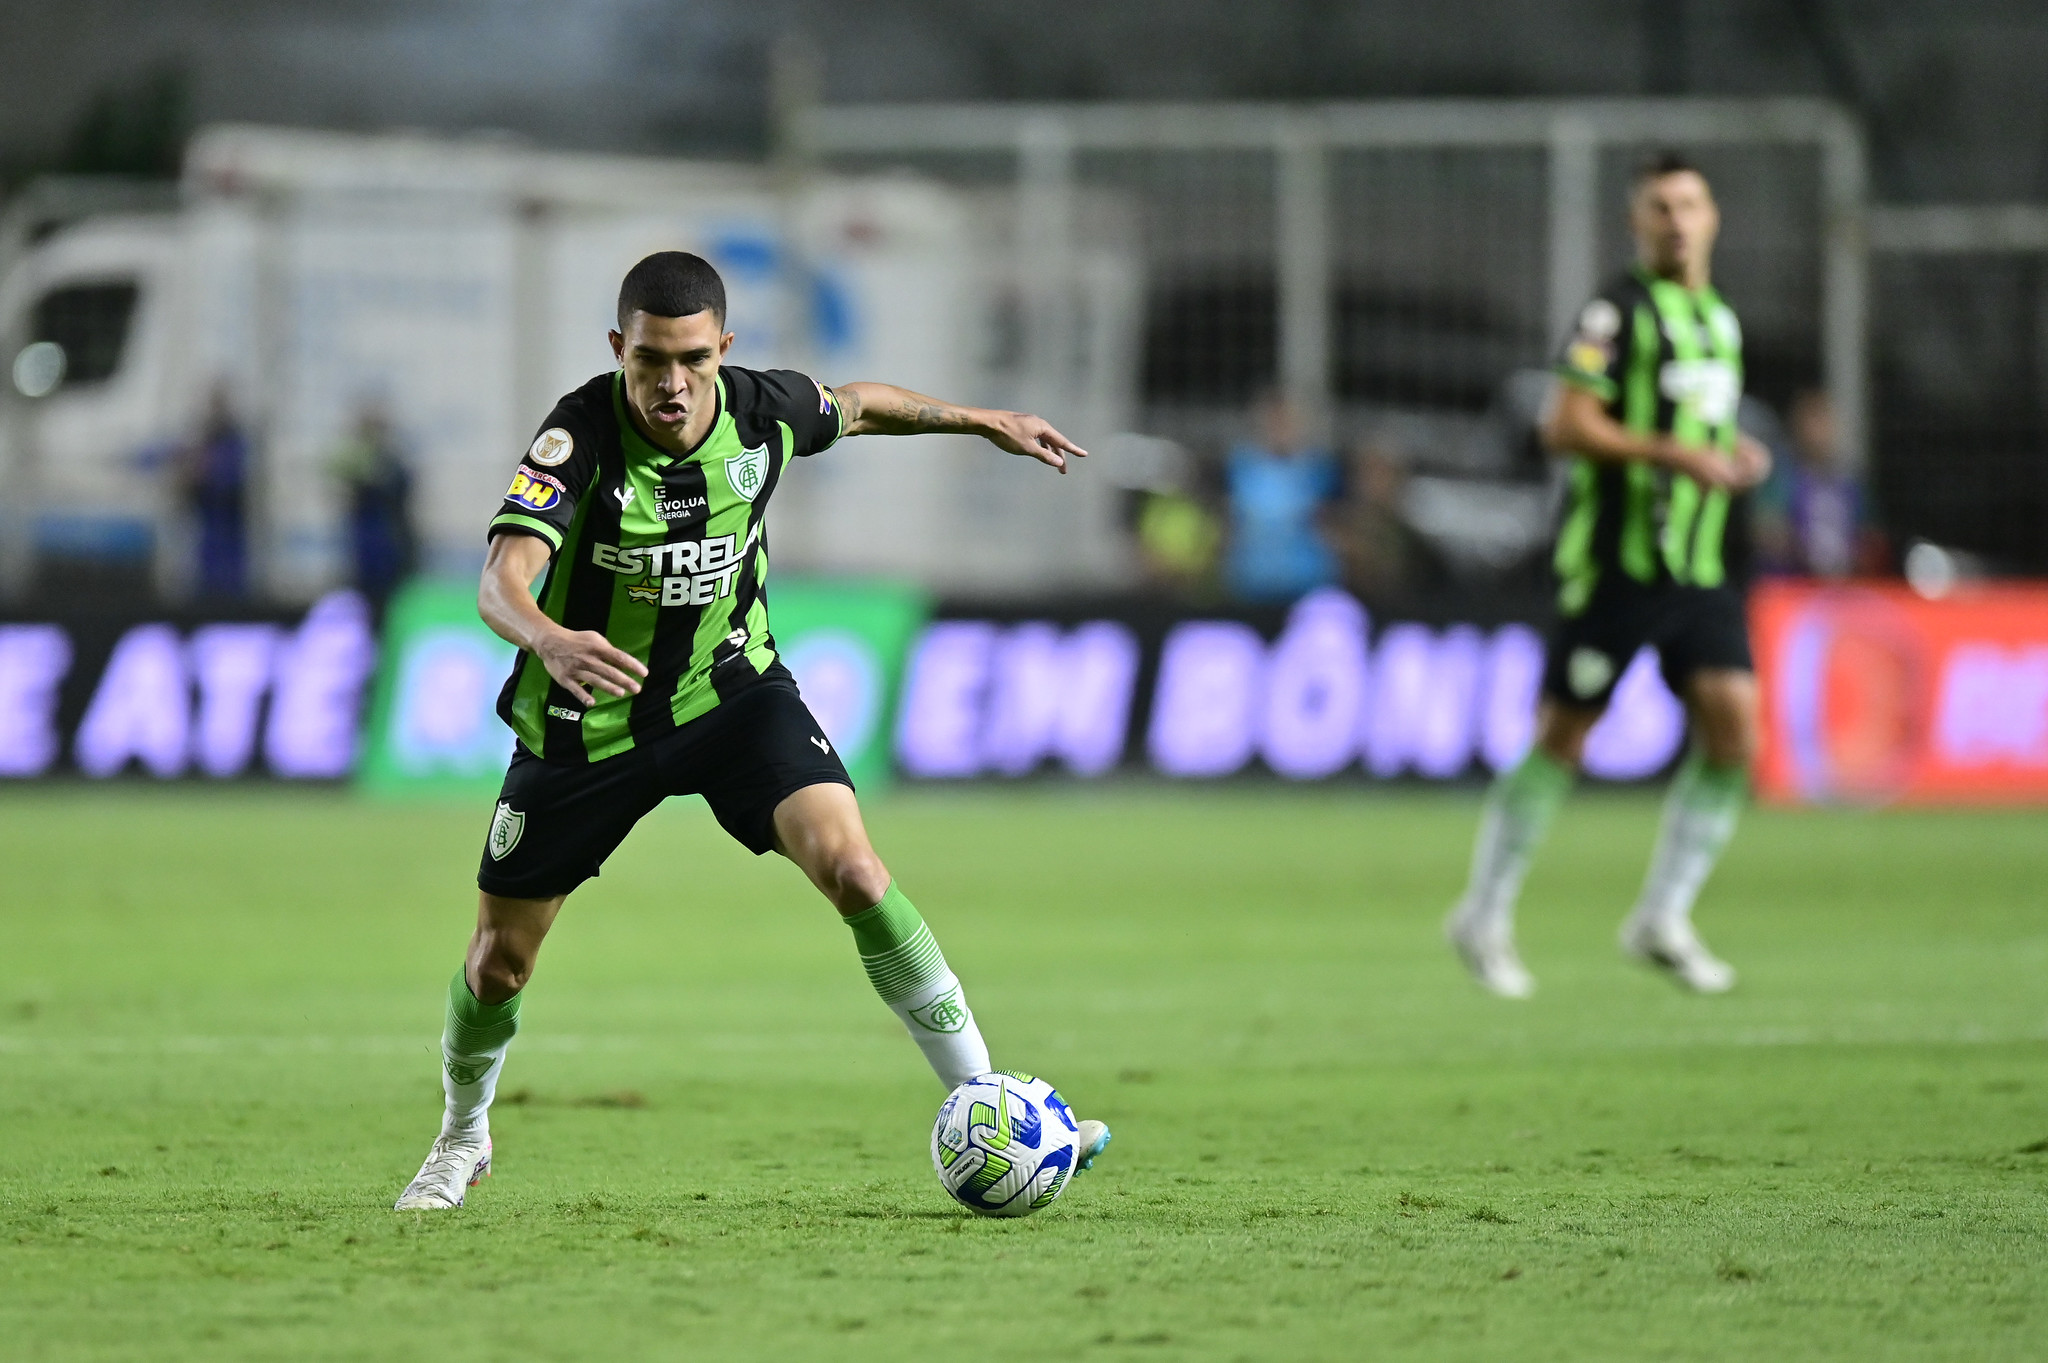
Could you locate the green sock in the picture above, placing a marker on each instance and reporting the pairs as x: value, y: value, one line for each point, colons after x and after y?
x: 1519, y: 810
x: 473, y: 1044
x: 909, y: 971
x: 896, y: 948
x: 1700, y: 814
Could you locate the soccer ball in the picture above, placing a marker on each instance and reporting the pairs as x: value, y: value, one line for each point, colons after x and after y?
x: 1004, y: 1144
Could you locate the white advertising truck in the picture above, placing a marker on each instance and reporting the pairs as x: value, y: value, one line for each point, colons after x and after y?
x: 458, y: 287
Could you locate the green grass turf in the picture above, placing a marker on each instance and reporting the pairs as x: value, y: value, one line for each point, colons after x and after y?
x: 217, y: 1013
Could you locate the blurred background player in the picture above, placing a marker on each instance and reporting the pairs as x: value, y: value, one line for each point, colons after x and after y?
x: 1644, y: 408
x: 646, y: 669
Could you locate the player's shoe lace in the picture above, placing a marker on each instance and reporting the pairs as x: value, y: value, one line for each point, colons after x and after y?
x: 454, y: 1165
x: 1677, y: 948
x: 1490, y: 956
x: 1094, y: 1139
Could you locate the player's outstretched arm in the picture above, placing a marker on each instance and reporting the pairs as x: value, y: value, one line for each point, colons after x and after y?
x: 578, y: 659
x: 884, y: 409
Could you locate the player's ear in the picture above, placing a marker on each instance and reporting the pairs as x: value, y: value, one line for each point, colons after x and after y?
x: 724, y: 344
x: 618, y: 341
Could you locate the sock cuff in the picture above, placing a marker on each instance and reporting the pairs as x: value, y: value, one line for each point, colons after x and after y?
x: 1536, y: 785
x: 896, y: 948
x: 1703, y: 783
x: 887, y: 925
x: 475, y: 1027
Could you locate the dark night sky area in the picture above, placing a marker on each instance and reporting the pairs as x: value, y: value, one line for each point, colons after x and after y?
x: 1952, y: 91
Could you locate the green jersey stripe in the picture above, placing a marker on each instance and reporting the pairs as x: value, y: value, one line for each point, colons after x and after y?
x: 538, y: 527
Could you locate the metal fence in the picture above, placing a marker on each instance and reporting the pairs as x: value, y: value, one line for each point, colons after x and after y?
x: 1960, y: 360
x: 1390, y: 266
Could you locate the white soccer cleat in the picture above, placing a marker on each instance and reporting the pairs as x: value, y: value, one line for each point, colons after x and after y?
x: 1677, y: 948
x: 454, y: 1166
x: 1094, y: 1140
x: 1490, y: 956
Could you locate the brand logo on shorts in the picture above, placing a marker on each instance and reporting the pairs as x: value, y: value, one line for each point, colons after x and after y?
x: 747, y: 471
x: 506, y: 827
x: 1587, y: 672
x: 946, y: 1013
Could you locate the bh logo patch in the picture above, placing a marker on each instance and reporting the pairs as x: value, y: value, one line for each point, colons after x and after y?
x: 747, y: 471
x: 946, y: 1013
x: 535, y: 490
x: 506, y: 826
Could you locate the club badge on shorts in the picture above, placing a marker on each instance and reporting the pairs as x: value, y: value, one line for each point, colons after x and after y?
x: 506, y: 826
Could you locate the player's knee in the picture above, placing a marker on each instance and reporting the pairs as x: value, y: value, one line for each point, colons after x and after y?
x: 500, y: 974
x: 856, y: 879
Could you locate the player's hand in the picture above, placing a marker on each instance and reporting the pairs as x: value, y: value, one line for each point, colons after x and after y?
x: 582, y: 659
x: 1709, y: 468
x: 1033, y: 437
x: 1752, y: 461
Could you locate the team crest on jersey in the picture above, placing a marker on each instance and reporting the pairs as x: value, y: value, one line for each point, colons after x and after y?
x: 506, y: 827
x: 551, y: 447
x: 747, y: 471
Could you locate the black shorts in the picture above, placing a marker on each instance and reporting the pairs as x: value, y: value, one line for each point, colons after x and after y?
x: 555, y: 824
x: 1692, y: 628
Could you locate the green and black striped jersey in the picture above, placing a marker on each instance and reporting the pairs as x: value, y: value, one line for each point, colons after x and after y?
x: 1664, y: 358
x: 665, y: 555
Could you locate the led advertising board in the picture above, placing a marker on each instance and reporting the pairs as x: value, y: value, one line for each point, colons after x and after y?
x: 103, y: 695
x: 1870, y: 693
x: 433, y: 726
x: 1874, y: 694
x: 1318, y: 692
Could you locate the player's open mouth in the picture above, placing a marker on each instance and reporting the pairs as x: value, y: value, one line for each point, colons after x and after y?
x: 671, y: 412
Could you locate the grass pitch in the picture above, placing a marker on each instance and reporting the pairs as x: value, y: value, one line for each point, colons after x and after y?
x: 218, y: 1011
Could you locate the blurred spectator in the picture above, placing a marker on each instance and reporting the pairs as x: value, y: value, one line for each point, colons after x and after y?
x: 1811, y: 516
x: 372, y: 469
x: 1381, y: 552
x: 1280, y: 489
x: 1176, y: 532
x: 213, y: 479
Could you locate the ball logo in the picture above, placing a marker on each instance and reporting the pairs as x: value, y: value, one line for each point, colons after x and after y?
x: 506, y: 827
x: 747, y: 471
x: 551, y: 447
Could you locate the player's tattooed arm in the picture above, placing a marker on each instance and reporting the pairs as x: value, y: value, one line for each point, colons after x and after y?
x: 884, y: 409
x: 581, y: 660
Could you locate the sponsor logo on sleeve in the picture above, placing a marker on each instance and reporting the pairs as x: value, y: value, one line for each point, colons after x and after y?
x: 551, y: 447
x: 1587, y: 357
x: 534, y: 490
x: 1600, y: 321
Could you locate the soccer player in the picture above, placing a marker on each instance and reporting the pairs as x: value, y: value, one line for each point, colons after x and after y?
x: 1645, y: 410
x: 646, y: 669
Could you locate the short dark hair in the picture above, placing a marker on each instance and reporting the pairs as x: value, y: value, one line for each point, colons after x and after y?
x: 672, y: 284
x: 1659, y: 164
